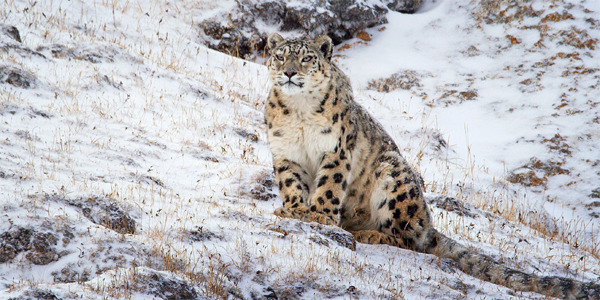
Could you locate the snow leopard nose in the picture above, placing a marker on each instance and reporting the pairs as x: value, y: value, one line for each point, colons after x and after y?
x: 290, y: 74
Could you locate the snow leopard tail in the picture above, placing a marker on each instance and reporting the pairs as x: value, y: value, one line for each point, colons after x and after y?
x: 485, y: 268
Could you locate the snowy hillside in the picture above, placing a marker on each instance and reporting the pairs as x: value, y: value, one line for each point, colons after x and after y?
x: 134, y: 162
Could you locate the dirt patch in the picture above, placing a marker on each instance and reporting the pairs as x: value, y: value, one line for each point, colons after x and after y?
x: 558, y: 143
x: 536, y: 172
x: 578, y: 38
x: 452, y: 96
x: 505, y: 11
x: 557, y: 17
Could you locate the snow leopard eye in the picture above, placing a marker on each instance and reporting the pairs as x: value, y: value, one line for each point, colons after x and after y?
x: 307, y: 59
x: 279, y: 57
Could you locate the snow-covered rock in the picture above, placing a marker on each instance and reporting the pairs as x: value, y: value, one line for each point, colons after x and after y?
x: 242, y: 31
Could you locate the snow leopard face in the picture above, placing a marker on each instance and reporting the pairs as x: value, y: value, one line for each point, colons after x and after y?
x: 299, y: 66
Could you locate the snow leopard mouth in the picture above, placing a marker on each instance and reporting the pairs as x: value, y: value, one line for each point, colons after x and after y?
x: 290, y: 83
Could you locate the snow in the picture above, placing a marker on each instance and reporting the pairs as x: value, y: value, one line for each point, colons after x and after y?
x: 129, y: 105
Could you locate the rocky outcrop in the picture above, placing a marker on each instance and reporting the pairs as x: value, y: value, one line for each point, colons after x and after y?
x: 39, y: 246
x: 242, y: 32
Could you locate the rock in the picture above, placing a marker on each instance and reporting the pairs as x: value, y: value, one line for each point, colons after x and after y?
x: 14, y: 242
x: 404, y: 6
x: 319, y: 233
x: 540, y: 219
x: 42, y: 248
x: 103, y: 210
x: 38, y: 294
x: 200, y: 234
x: 12, y: 32
x: 236, y: 32
x: 253, y: 137
x: 42, y: 258
x: 90, y: 53
x: 44, y: 295
x: 168, y: 288
x: 336, y: 234
x: 262, y: 186
x: 17, y: 77
x: 451, y: 204
x: 71, y: 273
x: 80, y: 53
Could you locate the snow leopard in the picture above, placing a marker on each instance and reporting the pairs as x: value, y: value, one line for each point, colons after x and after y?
x: 336, y: 165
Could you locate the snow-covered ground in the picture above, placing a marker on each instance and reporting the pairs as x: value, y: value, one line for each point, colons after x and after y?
x: 134, y: 162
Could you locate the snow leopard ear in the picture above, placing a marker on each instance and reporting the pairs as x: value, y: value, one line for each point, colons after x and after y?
x: 274, y: 40
x: 325, y: 45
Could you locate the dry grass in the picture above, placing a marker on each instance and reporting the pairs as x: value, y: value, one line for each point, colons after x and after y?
x: 500, y: 199
x: 507, y: 213
x: 234, y: 190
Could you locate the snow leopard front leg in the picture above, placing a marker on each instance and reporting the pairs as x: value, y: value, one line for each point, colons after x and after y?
x: 333, y: 175
x: 330, y: 188
x: 294, y: 188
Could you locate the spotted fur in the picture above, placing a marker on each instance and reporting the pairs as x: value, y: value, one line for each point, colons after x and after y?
x: 337, y: 166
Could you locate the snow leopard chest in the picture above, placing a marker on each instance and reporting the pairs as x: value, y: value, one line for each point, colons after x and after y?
x: 316, y: 144
x: 302, y: 141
